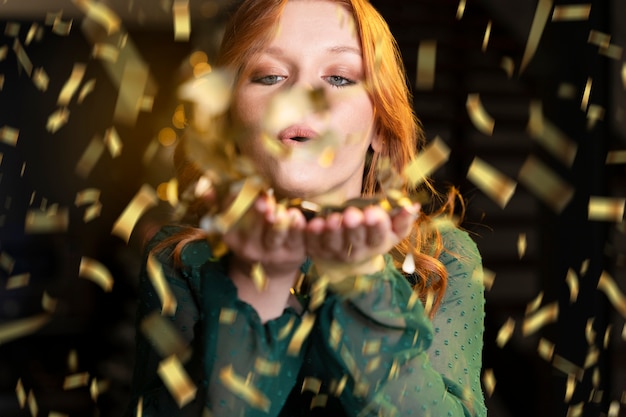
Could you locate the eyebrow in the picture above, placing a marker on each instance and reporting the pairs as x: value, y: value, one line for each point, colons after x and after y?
x: 339, y: 49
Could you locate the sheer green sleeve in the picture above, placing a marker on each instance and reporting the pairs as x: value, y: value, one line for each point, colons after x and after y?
x: 377, y: 353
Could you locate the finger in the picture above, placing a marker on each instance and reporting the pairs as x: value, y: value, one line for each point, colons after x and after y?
x: 333, y: 234
x: 378, y: 225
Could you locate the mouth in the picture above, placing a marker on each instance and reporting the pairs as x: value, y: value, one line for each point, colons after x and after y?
x: 300, y: 139
x: 297, y: 133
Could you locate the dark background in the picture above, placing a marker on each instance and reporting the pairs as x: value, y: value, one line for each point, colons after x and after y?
x: 97, y: 326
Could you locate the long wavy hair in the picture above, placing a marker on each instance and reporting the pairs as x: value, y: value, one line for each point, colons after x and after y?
x: 251, y: 28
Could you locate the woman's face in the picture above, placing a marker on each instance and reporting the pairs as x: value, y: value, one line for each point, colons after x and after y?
x: 315, y: 51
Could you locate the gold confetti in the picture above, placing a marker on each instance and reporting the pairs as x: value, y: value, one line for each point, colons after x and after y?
x: 159, y: 282
x: 88, y: 87
x: 508, y: 65
x: 478, y: 115
x: 319, y: 401
x: 590, y: 334
x: 130, y: 93
x: 600, y: 39
x: 584, y: 266
x: 488, y: 277
x: 239, y: 386
x: 164, y: 336
x: 9, y: 135
x: 521, y: 245
x: 542, y: 317
x: 176, y: 380
x: 251, y: 188
x: 18, y: 281
x: 7, y: 262
x: 227, y: 316
x: 113, y: 142
x: 267, y: 368
x: 566, y: 91
x: 143, y: 200
x: 486, y: 36
x: 58, y: 119
x: 433, y: 156
x: 536, y: 30
x: 21, y: 327
x: 72, y: 360
x: 50, y: 221
x: 41, y: 79
x: 101, y: 14
x: 21, y: 393
x: 87, y: 196
x: 538, y: 178
x: 614, y: 409
x: 22, y: 57
x: 567, y: 367
x: 72, y: 84
x: 96, y: 272
x: 505, y: 332
x: 258, y: 277
x: 460, y: 9
x: 426, y: 63
x: 311, y: 384
x: 489, y: 381
x: 61, y: 28
x: 32, y: 404
x: 300, y: 335
x: 549, y: 136
x: 534, y: 304
x: 493, y: 183
x: 182, y: 20
x: 572, y: 283
x: 616, y: 157
x: 90, y: 157
x: 12, y: 29
x: 586, y: 93
x: 545, y: 349
x: 569, y: 388
x: 607, y: 285
x: 595, y: 112
x: 571, y: 12
x: 105, y: 52
x: 606, y: 208
x: 76, y: 381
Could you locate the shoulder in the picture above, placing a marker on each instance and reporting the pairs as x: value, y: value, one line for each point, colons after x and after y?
x: 458, y: 246
x: 163, y: 243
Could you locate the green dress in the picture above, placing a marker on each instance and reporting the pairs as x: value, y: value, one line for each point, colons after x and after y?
x: 368, y: 353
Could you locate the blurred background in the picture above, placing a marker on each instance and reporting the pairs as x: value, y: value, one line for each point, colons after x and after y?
x: 528, y: 96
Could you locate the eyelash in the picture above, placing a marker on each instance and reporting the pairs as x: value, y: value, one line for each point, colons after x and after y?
x: 345, y: 82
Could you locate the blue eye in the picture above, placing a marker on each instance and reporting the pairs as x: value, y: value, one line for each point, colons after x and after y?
x: 339, y: 81
x: 269, y: 79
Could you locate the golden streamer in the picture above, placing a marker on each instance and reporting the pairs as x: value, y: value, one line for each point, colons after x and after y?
x: 144, y: 199
x: 22, y: 57
x: 538, y: 178
x: 572, y: 282
x: 460, y: 10
x: 239, y: 386
x: 549, y: 136
x: 18, y: 281
x: 41, y: 79
x: 545, y: 349
x: 489, y: 381
x: 101, y: 14
x: 539, y: 21
x: 479, y: 117
x: 72, y: 84
x: 571, y: 12
x: 486, y: 36
x: 76, y: 381
x: 88, y: 87
x: 613, y: 293
x: 522, y: 243
x: 546, y: 315
x: 494, y: 184
x: 182, y: 20
x: 176, y: 380
x: 113, y: 142
x: 58, y: 119
x: 298, y: 338
x: 9, y: 135
x: 426, y: 62
x: 50, y: 221
x: 90, y: 157
x: 21, y: 327
x: 433, y: 156
x: 157, y: 278
x: 616, y: 157
x: 164, y: 336
x: 606, y: 209
x: 96, y: 272
x: 106, y: 52
x: 505, y: 332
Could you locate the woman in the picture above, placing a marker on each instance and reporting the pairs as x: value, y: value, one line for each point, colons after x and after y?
x: 360, y: 336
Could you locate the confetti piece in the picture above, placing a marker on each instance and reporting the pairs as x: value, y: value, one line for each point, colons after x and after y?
x: 538, y: 178
x: 300, y: 335
x: 58, y: 119
x: 586, y: 93
x: 606, y: 208
x: 96, y: 272
x: 113, y: 142
x: 545, y: 349
x: 426, y: 62
x: 158, y: 280
x: 542, y: 317
x: 241, y: 388
x: 489, y: 381
x: 61, y: 28
x: 539, y: 21
x: 48, y: 303
x: 12, y: 29
x: 595, y: 113
x: 22, y: 57
x: 567, y: 367
x: 569, y: 388
x: 32, y: 404
x: 311, y: 384
x: 18, y: 281
x: 252, y: 186
x: 571, y: 12
x: 486, y: 36
x: 482, y: 121
x: 607, y: 285
x: 433, y: 156
x: 566, y: 91
x: 572, y: 282
x: 7, y: 262
x: 143, y: 200
x: 76, y: 381
x: 176, y: 380
x: 9, y: 135
x: 534, y: 304
x: 266, y: 368
x: 21, y: 327
x: 508, y: 65
x: 182, y: 20
x: 549, y: 136
x: 105, y: 52
x: 616, y: 157
x: 460, y: 10
x: 72, y: 84
x: 494, y: 184
x: 87, y: 196
x: 41, y: 79
x: 488, y: 277
x: 590, y: 334
x: 522, y: 243
x: 101, y: 14
x: 90, y: 157
x: 88, y: 87
x: 371, y: 347
x: 130, y: 93
x: 21, y: 393
x: 318, y: 293
x: 72, y: 360
x: 50, y: 221
x: 600, y: 39
x: 165, y: 338
x: 505, y: 332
